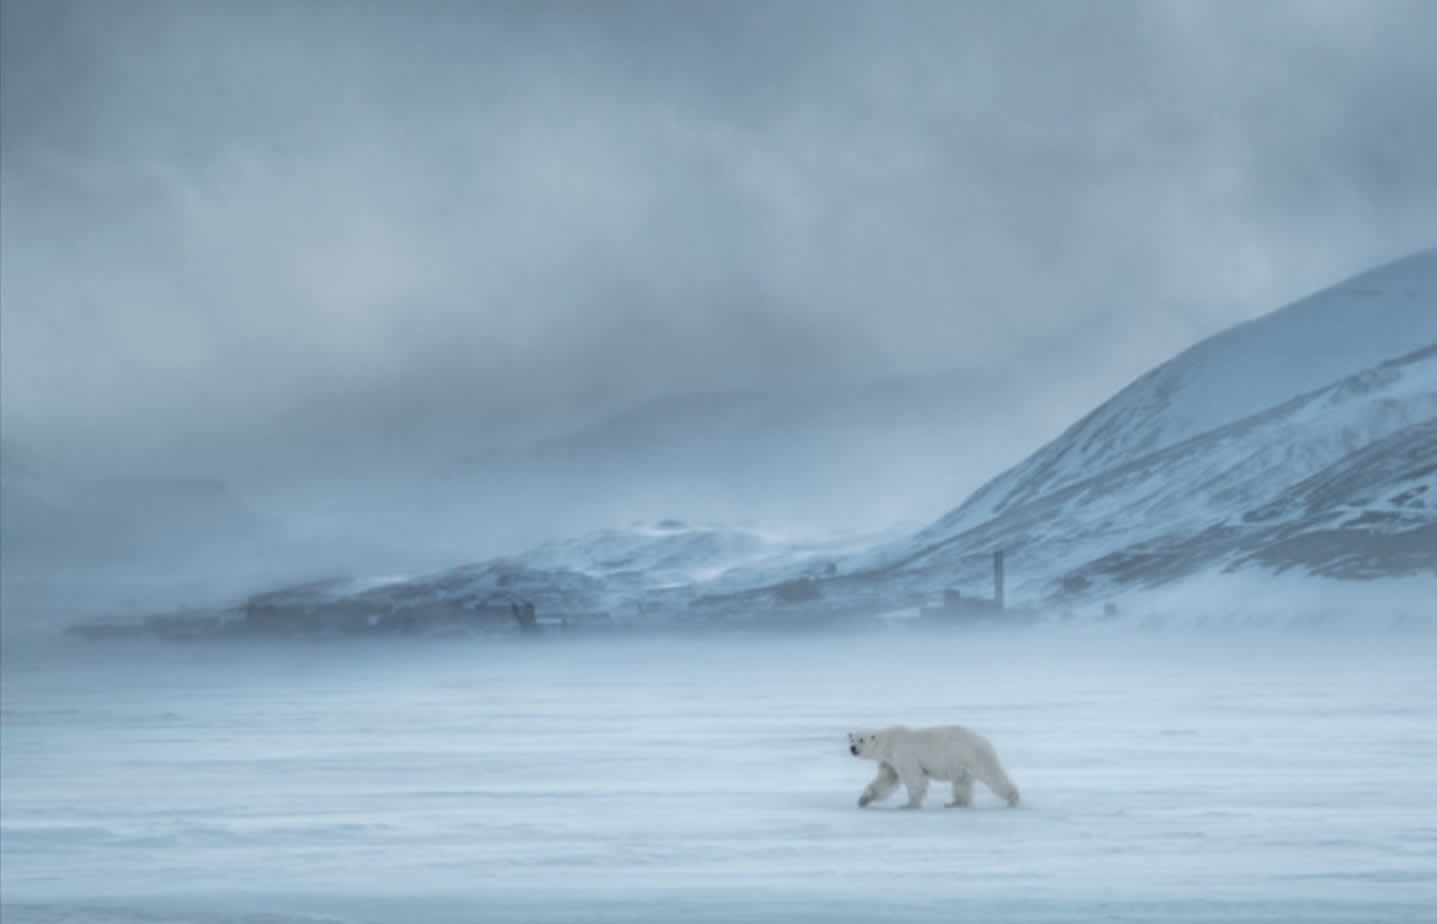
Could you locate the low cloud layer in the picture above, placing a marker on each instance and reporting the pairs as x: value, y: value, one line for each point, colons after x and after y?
x: 261, y: 237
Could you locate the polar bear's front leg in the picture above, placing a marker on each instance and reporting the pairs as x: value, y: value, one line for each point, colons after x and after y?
x: 962, y: 790
x: 916, y: 781
x: 884, y: 783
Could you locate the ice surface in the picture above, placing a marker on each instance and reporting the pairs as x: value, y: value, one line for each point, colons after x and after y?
x: 1166, y: 775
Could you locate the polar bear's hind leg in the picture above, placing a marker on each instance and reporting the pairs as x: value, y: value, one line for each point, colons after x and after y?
x: 884, y: 783
x: 995, y: 779
x: 989, y: 769
x: 962, y: 790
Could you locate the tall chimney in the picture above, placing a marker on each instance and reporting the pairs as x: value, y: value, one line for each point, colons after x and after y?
x: 998, y: 578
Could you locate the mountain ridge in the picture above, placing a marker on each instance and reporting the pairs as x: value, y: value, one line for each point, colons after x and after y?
x: 1266, y: 340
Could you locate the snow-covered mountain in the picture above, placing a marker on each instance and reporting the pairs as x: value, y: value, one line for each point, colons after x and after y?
x: 1376, y: 316
x: 637, y: 572
x: 1306, y: 439
x: 677, y: 554
x: 1341, y: 481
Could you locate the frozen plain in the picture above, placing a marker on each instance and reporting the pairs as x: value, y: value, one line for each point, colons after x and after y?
x: 1183, y: 775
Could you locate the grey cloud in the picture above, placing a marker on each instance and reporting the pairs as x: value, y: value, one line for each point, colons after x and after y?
x: 264, y: 231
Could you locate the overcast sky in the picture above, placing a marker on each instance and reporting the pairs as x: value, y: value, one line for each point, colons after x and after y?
x: 349, y: 227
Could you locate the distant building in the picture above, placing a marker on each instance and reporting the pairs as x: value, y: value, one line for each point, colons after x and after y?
x: 958, y: 608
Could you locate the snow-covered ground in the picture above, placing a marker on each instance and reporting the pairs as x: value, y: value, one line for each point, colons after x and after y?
x: 1167, y: 775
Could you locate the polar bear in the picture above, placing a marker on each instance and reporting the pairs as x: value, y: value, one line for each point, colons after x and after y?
x: 913, y: 756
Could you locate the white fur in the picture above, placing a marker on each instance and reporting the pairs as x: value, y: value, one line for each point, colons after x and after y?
x: 913, y: 756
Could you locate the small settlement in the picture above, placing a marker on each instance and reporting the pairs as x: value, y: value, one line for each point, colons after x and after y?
x: 504, y: 598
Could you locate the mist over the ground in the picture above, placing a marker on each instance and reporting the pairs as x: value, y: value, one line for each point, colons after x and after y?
x: 329, y: 255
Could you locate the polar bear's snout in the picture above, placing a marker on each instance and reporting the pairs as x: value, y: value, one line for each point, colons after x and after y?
x: 853, y: 749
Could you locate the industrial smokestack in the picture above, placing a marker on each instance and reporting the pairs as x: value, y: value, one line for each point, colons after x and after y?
x: 998, y: 578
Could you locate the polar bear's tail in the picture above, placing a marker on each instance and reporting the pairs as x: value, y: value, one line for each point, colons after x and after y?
x: 996, y: 778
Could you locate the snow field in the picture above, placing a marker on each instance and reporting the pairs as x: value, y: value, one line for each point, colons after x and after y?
x: 1169, y: 776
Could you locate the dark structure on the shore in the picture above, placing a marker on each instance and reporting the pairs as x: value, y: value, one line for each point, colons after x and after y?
x: 523, y: 613
x: 958, y: 608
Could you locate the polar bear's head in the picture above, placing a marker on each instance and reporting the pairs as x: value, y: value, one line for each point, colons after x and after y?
x: 864, y: 744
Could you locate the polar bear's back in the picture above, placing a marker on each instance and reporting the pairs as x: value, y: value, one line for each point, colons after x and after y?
x: 950, y: 740
x: 943, y: 751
